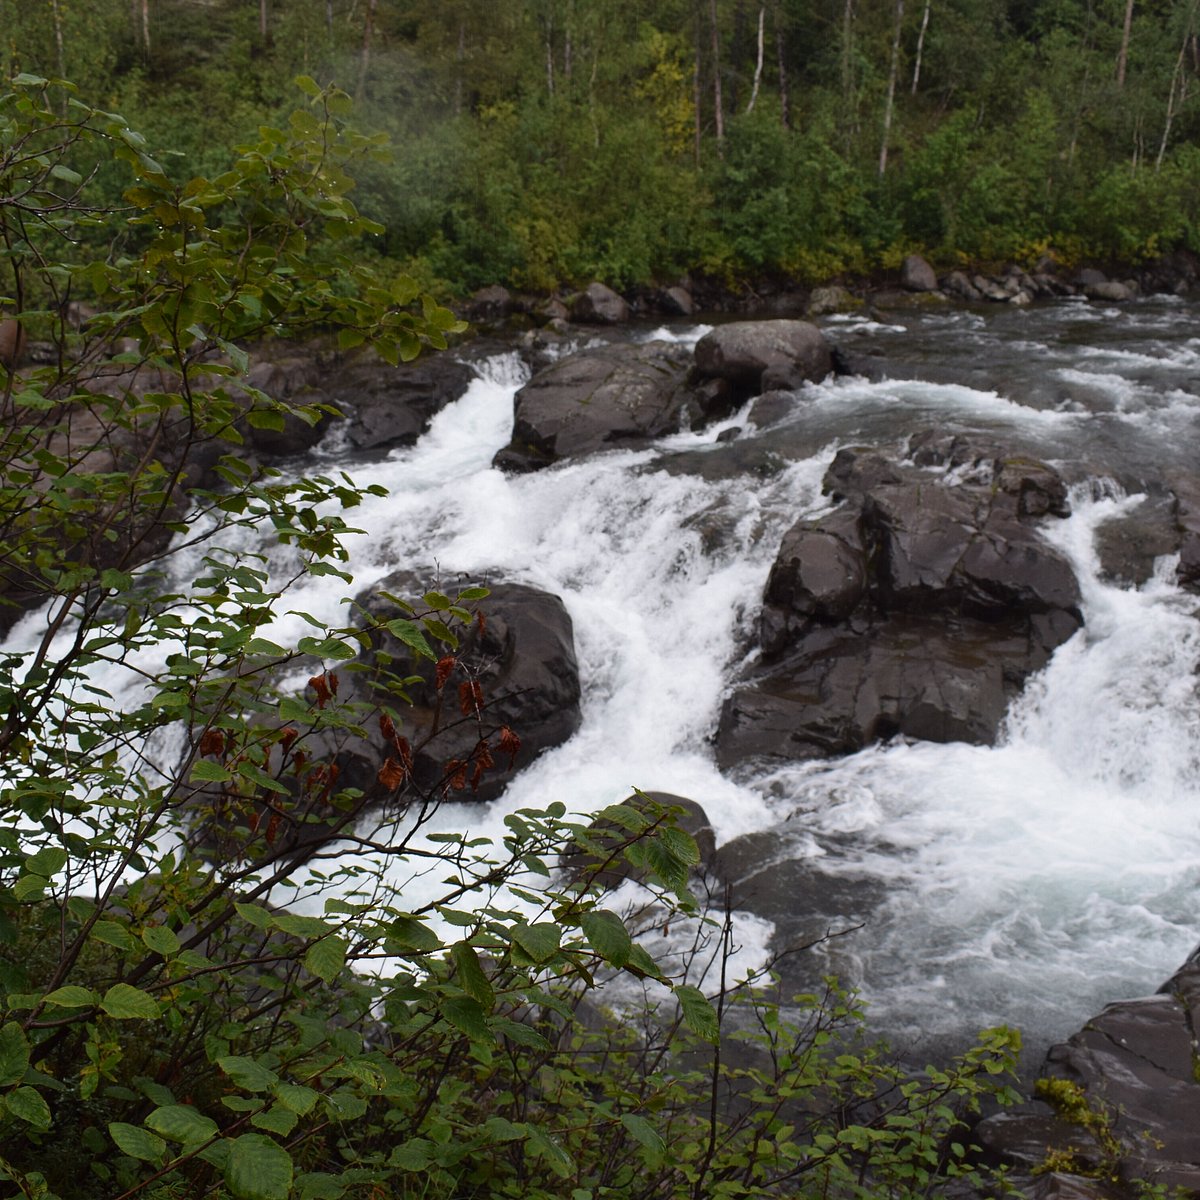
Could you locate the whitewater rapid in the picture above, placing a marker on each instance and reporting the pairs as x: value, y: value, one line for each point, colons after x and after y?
x: 1028, y: 883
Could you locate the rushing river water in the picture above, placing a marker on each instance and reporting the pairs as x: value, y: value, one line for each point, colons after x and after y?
x: 1028, y: 883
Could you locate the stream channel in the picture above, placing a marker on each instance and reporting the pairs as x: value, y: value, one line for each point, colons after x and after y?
x: 1028, y: 883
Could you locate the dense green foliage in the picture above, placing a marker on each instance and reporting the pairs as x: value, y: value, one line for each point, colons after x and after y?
x: 197, y: 997
x: 549, y: 141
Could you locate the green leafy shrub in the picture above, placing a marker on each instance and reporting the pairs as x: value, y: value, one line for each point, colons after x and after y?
x: 201, y: 992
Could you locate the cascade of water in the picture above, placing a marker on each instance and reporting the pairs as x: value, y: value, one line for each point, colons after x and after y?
x: 1029, y: 882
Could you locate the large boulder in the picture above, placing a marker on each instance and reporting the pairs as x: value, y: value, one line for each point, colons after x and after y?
x: 756, y: 356
x: 391, y: 406
x: 918, y: 607
x: 521, y: 654
x: 599, y: 305
x: 612, y: 397
x: 916, y: 275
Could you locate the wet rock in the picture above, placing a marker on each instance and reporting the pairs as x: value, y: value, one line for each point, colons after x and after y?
x: 757, y: 356
x: 1187, y: 522
x: 939, y: 681
x: 825, y: 300
x: 819, y: 572
x: 522, y: 657
x: 917, y: 608
x: 916, y: 275
x: 392, y: 406
x: 1024, y: 1137
x: 615, y: 396
x: 599, y: 305
x: 1089, y: 277
x: 490, y: 304
x: 610, y: 836
x: 1128, y: 545
x: 1123, y: 1096
x: 770, y: 874
x: 855, y: 470
x: 294, y: 378
x: 1108, y: 290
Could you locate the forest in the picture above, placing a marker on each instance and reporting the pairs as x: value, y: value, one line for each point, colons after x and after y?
x: 539, y: 143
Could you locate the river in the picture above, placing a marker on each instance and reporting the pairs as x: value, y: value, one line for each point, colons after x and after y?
x: 1029, y: 883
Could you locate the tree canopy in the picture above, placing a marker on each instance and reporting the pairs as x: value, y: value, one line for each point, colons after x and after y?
x: 541, y: 142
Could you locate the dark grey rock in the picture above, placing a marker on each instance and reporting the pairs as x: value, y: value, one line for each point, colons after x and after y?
x: 916, y: 275
x: 598, y: 304
x: 758, y: 356
x: 523, y: 658
x: 612, y: 397
x: 1128, y: 545
x: 918, y: 608
x: 392, y: 406
x: 1108, y: 289
x: 957, y: 284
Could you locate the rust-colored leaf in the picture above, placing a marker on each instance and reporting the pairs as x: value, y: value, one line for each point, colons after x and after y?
x: 212, y: 741
x: 320, y: 685
x: 470, y: 697
x: 445, y: 665
x: 391, y: 774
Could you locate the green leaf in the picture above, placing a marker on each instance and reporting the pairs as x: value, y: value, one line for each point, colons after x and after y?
x: 112, y: 933
x: 47, y: 861
x: 14, y: 1054
x: 127, y: 1003
x: 71, y: 997
x: 326, y: 958
x: 205, y: 771
x: 137, y: 1142
x: 519, y: 1033
x: 295, y: 1096
x: 643, y: 1132
x: 471, y: 976
x: 277, y: 1119
x: 411, y: 933
x: 698, y: 1014
x: 26, y: 1104
x: 182, y: 1123
x: 258, y: 1169
x: 411, y: 634
x: 539, y: 941
x: 161, y: 940
x: 300, y: 926
x: 467, y: 1016
x: 254, y: 914
x: 247, y: 1073
x: 607, y: 935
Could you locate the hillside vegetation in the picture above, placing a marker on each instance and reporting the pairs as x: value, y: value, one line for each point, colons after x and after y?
x: 543, y: 142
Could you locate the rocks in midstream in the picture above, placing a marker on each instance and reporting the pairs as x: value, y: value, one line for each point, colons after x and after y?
x: 522, y: 656
x: 622, y: 396
x: 918, y: 606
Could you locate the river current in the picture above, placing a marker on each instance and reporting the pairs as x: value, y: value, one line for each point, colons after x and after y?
x: 1029, y: 883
